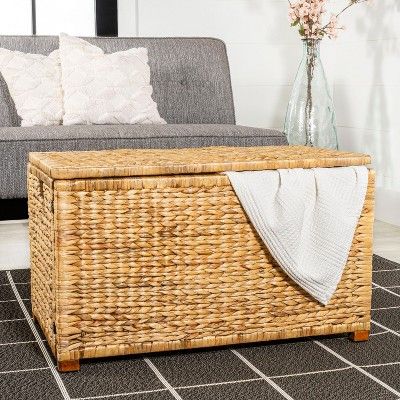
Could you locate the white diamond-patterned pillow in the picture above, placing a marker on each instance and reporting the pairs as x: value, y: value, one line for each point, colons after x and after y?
x: 34, y: 83
x: 104, y: 88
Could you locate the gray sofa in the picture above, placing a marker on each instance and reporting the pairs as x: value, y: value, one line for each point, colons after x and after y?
x: 192, y: 88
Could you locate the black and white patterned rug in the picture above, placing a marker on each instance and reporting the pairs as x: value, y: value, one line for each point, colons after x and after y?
x: 320, y: 368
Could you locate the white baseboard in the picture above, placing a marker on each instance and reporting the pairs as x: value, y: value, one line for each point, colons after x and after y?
x: 13, y: 221
x: 13, y: 267
x: 387, y: 206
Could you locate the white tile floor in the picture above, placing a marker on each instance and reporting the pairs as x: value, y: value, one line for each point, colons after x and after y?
x: 14, y: 249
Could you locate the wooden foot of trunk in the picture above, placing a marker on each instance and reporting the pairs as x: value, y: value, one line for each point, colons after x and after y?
x: 68, y: 366
x: 359, y: 336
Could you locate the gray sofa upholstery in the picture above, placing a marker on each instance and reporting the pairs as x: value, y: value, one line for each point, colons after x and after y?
x: 192, y: 87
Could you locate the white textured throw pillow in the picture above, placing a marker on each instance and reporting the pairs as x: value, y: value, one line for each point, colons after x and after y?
x: 34, y: 83
x: 105, y: 88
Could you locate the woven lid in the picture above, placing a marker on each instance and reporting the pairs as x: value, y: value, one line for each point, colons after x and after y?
x: 129, y: 162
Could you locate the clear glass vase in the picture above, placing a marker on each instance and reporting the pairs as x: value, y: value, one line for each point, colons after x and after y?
x: 310, y: 118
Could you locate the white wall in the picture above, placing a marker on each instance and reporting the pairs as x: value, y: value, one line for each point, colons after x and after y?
x: 15, y: 17
x: 127, y: 18
x: 363, y: 67
x: 76, y: 17
x: 367, y: 95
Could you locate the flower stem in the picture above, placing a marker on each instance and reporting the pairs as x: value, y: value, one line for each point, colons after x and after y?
x: 311, y: 58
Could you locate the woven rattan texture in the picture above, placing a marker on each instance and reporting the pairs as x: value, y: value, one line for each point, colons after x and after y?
x: 113, y: 163
x: 163, y: 263
x: 42, y: 247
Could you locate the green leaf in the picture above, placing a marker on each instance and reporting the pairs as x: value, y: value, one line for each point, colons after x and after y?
x: 295, y: 22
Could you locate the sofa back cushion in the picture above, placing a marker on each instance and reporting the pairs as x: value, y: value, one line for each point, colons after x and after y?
x: 8, y: 111
x: 190, y: 76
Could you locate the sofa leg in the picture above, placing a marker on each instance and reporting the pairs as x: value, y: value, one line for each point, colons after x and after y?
x: 68, y: 366
x: 359, y: 336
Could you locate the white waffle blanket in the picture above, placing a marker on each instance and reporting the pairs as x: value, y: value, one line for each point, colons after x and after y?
x: 306, y: 218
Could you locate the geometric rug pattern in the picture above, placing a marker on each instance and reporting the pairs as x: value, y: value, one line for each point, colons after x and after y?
x: 320, y: 368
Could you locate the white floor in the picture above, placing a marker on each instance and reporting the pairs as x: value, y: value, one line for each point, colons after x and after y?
x: 14, y: 248
x: 387, y: 241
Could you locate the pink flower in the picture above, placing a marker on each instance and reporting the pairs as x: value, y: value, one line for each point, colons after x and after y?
x: 292, y: 16
x: 332, y: 28
x: 309, y: 16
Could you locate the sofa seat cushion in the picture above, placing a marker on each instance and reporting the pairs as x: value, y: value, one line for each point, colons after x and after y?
x: 17, y: 142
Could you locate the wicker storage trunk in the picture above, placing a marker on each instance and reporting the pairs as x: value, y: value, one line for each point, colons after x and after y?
x: 136, y: 251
